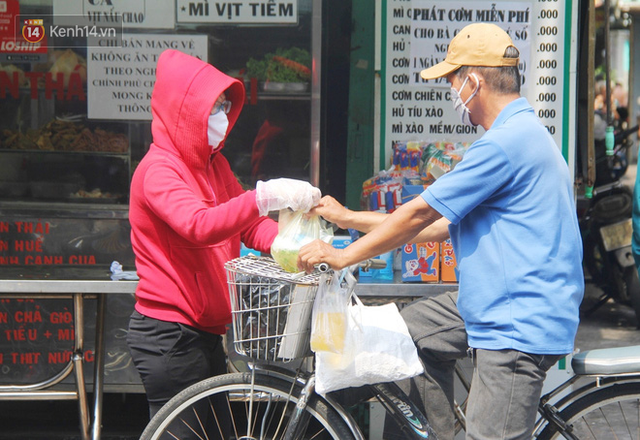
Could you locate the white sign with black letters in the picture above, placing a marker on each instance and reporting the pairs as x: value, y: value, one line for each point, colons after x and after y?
x: 417, y: 36
x: 158, y: 14
x: 238, y: 11
x: 433, y: 28
x: 120, y: 80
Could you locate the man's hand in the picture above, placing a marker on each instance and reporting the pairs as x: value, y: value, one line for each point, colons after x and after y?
x: 332, y: 211
x: 318, y: 252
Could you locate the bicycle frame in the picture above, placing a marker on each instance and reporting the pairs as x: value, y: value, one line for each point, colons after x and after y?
x: 413, y: 422
x: 410, y: 419
x: 606, y: 367
x: 307, y: 380
x: 552, y: 403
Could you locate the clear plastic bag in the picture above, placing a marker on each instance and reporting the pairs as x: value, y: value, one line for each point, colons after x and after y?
x: 294, y: 231
x: 329, y: 316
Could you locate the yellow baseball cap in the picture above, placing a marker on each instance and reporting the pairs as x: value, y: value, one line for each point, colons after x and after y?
x: 478, y: 44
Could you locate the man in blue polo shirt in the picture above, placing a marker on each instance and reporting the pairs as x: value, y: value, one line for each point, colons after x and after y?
x: 510, y: 212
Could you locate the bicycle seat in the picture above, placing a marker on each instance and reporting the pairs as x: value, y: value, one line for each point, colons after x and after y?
x: 607, y: 361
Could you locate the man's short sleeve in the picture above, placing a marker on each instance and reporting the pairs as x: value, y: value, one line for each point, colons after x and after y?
x: 479, y: 178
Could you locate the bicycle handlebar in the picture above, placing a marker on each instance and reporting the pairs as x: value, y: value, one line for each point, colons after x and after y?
x: 372, y: 263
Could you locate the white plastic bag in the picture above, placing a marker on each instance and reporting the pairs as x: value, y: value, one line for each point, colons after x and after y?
x: 378, y: 348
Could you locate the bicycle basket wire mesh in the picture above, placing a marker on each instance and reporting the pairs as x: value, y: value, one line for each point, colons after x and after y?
x: 270, y: 308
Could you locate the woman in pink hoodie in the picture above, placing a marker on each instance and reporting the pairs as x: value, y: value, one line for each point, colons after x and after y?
x: 188, y: 215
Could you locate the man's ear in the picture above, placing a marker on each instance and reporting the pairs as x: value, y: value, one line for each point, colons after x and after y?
x: 475, y: 78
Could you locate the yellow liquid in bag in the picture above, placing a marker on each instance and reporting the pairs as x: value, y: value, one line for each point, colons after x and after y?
x: 328, y: 332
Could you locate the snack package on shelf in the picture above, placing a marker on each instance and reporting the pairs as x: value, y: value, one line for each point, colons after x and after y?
x: 448, y: 267
x: 381, y: 192
x: 415, y: 165
x: 440, y: 158
x: 385, y: 273
x: 407, y: 157
x: 421, y: 262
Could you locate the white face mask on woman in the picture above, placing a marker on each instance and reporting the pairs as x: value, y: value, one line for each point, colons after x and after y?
x: 217, y: 129
x: 461, y: 107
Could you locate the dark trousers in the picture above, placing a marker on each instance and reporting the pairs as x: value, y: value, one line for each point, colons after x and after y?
x: 506, y: 384
x: 170, y: 356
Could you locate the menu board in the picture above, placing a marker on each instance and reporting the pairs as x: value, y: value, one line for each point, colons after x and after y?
x: 29, y: 244
x: 416, y: 35
x: 37, y: 340
x: 37, y: 335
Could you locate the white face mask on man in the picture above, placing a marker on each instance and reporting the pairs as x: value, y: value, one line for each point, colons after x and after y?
x: 217, y: 129
x: 461, y: 107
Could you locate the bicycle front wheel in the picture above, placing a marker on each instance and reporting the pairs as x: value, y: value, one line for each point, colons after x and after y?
x: 608, y: 413
x: 230, y: 407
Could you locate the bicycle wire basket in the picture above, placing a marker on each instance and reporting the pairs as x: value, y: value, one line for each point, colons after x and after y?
x: 270, y: 309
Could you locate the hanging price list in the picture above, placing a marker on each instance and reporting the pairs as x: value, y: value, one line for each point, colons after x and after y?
x: 417, y: 37
x: 548, y: 65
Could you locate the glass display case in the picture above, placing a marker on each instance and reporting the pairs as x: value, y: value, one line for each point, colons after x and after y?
x: 75, y: 121
x: 74, y: 112
x: 52, y: 150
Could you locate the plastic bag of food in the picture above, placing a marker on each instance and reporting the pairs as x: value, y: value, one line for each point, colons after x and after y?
x: 330, y: 308
x: 294, y: 231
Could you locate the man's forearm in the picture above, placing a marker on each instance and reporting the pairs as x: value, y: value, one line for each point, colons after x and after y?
x: 397, y: 229
x: 437, y: 232
x: 364, y: 221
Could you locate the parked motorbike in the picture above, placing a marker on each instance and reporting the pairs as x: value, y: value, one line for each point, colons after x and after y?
x: 605, y: 223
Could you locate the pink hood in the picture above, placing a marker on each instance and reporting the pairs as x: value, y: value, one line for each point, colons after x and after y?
x: 181, y: 103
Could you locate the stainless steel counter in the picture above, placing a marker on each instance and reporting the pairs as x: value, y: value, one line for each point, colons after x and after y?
x: 375, y: 288
x: 78, y: 290
x: 397, y: 289
x: 48, y: 287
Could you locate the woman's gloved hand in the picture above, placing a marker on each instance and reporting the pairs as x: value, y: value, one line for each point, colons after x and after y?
x: 277, y: 194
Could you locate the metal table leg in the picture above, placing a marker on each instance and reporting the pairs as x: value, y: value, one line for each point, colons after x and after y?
x: 78, y: 364
x: 98, y: 368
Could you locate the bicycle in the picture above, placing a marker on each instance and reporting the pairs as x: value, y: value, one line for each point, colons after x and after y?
x: 275, y: 399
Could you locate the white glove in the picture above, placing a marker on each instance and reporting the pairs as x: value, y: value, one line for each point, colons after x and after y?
x: 277, y: 194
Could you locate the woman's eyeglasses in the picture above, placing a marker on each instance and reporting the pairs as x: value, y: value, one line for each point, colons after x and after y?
x: 224, y: 106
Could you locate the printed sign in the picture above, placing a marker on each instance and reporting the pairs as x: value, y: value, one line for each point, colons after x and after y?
x: 238, y: 12
x: 120, y: 80
x: 433, y: 28
x: 158, y: 14
x: 417, y: 37
x: 37, y: 335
